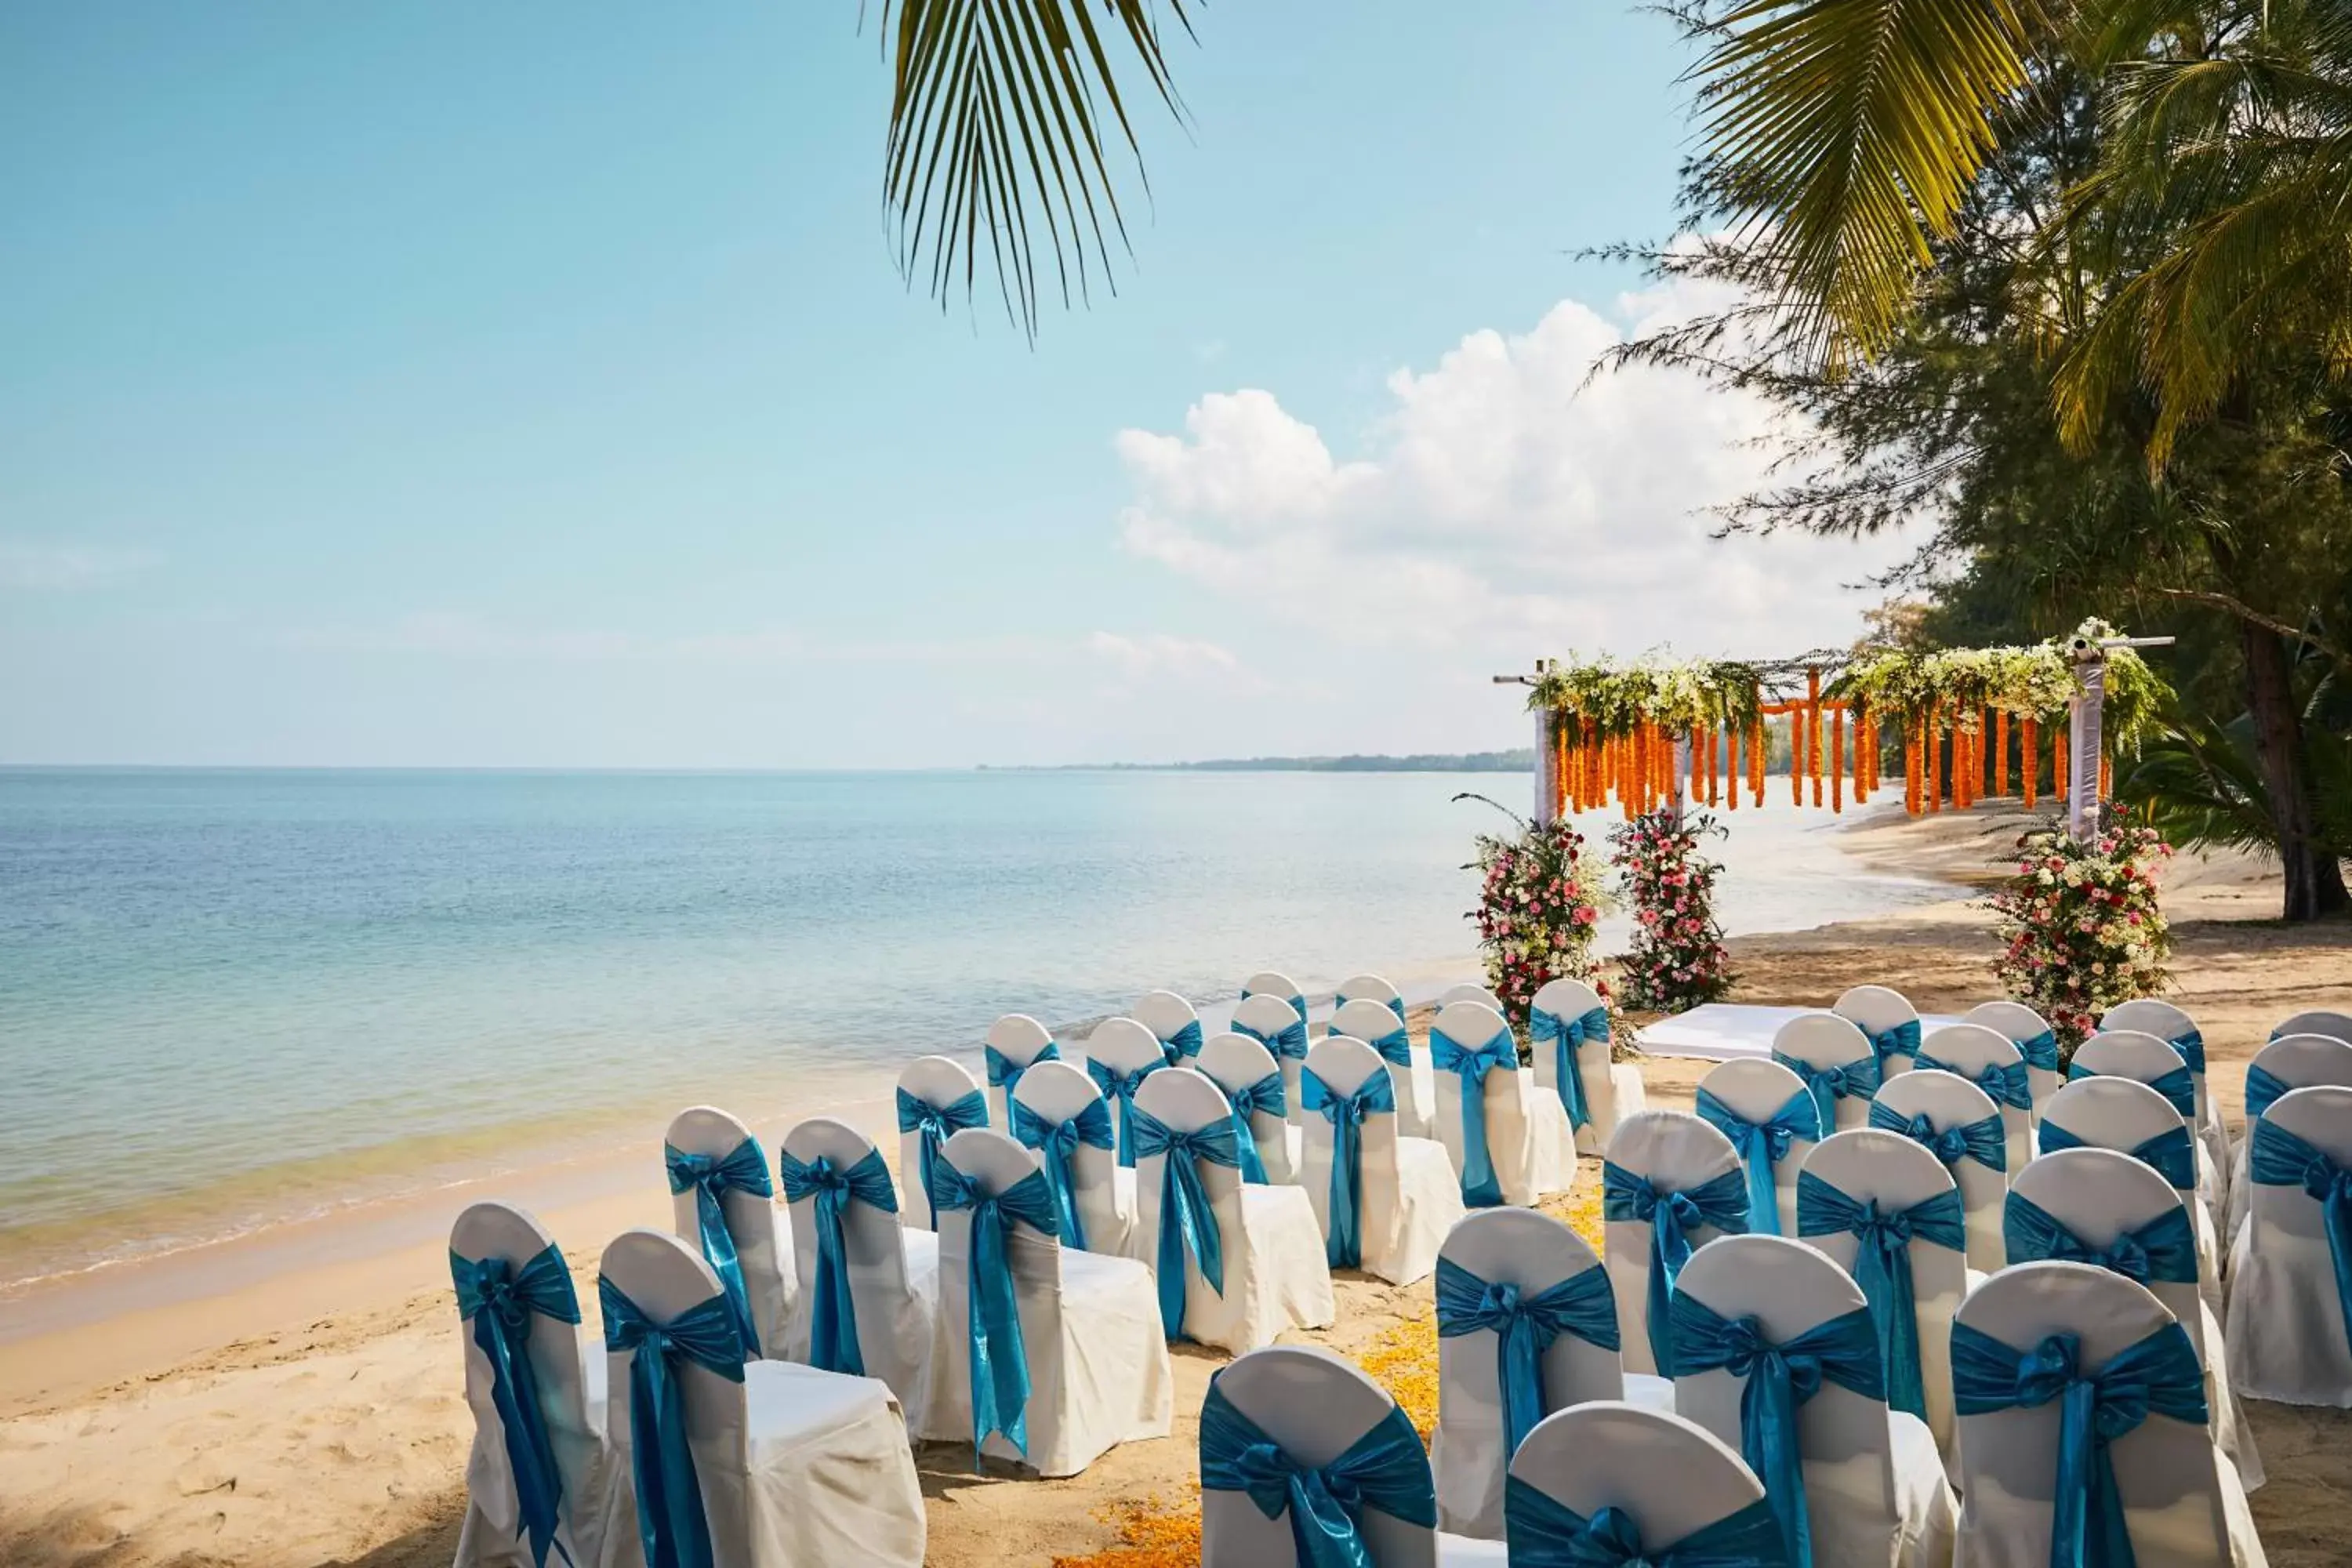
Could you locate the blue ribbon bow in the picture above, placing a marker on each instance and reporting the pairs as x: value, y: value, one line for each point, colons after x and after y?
x: 2158, y: 1374
x: 671, y: 1525
x: 2180, y: 1090
x: 1004, y: 1073
x: 2169, y: 1154
x: 2004, y: 1083
x: 1721, y: 1201
x: 2039, y: 1050
x: 1396, y: 1047
x: 1297, y: 1003
x: 2263, y: 1087
x: 1566, y: 1037
x: 1266, y: 1097
x: 1185, y: 1042
x: 500, y: 1300
x: 1779, y: 1378
x: 832, y: 1315
x: 1985, y: 1142
x: 2191, y: 1046
x: 1386, y: 1468
x: 938, y: 1123
x: 1902, y: 1041
x: 1343, y: 1241
x: 1481, y: 1189
x: 2279, y: 1158
x: 1882, y: 1267
x: 744, y: 1170
x: 1187, y: 1222
x: 2164, y: 1249
x: 1546, y: 1533
x: 1289, y: 1041
x: 1121, y: 1087
x: 1761, y: 1146
x: 1524, y: 1324
x: 1856, y: 1079
x: 1000, y: 1361
x: 1056, y: 1143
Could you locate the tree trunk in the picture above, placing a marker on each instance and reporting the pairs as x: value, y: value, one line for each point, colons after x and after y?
x: 2315, y: 883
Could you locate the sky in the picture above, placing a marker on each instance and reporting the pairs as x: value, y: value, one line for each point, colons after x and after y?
x: 532, y: 386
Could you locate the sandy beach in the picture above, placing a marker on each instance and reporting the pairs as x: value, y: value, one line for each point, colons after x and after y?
x: 179, y: 1412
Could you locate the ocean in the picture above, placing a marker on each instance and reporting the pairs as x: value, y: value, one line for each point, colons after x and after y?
x: 233, y: 997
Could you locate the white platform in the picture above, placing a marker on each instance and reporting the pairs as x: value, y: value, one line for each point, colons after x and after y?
x: 1719, y: 1031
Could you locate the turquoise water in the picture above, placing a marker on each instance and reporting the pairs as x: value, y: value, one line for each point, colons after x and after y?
x: 243, y: 985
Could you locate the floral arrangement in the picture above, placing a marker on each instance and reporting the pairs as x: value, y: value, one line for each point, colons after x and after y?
x: 1959, y: 685
x: 1677, y: 959
x: 2080, y: 926
x: 1622, y: 698
x: 1537, y: 911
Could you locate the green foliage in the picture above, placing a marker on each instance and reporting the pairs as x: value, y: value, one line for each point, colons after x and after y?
x: 2200, y: 783
x: 2035, y: 682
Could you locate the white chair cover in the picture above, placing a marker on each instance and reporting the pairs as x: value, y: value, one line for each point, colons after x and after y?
x: 1167, y: 1017
x: 569, y: 1384
x: 1531, y: 1150
x: 1671, y: 1476
x: 1950, y: 1102
x: 1103, y: 1194
x: 1897, y: 1175
x: 2167, y: 1023
x: 1675, y: 1151
x: 894, y: 1274
x: 1372, y: 1021
x: 1611, y: 1089
x: 1532, y: 1252
x: 1272, y: 1249
x: 763, y: 1251
x: 2030, y: 1033
x: 2286, y: 1335
x: 2182, y: 1507
x: 2294, y: 1061
x: 1823, y: 1041
x: 1754, y: 1090
x: 797, y: 1467
x: 1098, y: 1370
x: 2109, y: 1111
x: 1991, y: 1060
x: 1274, y: 983
x: 2318, y: 1021
x: 1235, y: 1063
x: 1876, y: 1010
x: 938, y: 1081
x: 2099, y: 1196
x: 2147, y: 1058
x: 1266, y: 1018
x: 1467, y: 992
x: 1018, y: 1040
x: 1314, y: 1406
x: 1875, y: 1492
x: 1123, y: 1048
x: 1407, y: 1199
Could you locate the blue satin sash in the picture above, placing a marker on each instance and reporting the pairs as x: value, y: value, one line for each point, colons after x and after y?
x: 1187, y: 1222
x: 1343, y: 1241
x: 833, y: 1314
x: 1396, y: 1047
x: 2281, y: 1159
x: 999, y: 1359
x: 2004, y: 1083
x: 1882, y: 1267
x: 1856, y: 1079
x: 1289, y: 1041
x: 1779, y: 1379
x: 2169, y: 1154
x: 1297, y: 1004
x: 1121, y: 1087
x: 1004, y: 1073
x: 2180, y: 1090
x: 1524, y: 1324
x: 1985, y: 1142
x: 1721, y: 1201
x: 500, y: 1301
x: 938, y: 1123
x: 1762, y: 1145
x: 1056, y: 1143
x: 2160, y: 1375
x: 1481, y: 1189
x: 2262, y: 1088
x: 1265, y: 1096
x: 1547, y: 1533
x: 743, y: 1170
x: 1386, y: 1468
x: 1184, y: 1043
x: 1902, y: 1041
x: 1566, y: 1037
x: 2040, y: 1050
x: 2164, y: 1249
x: 2191, y: 1046
x: 671, y: 1526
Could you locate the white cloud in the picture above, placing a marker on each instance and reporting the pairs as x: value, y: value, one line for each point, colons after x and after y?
x: 443, y: 635
x: 25, y: 564
x: 1504, y: 503
x: 1151, y: 655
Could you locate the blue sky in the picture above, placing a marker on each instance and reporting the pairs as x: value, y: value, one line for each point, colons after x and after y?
x: 530, y: 385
